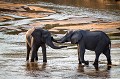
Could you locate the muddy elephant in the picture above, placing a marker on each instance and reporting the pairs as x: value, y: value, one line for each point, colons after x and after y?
x: 96, y: 41
x: 38, y: 37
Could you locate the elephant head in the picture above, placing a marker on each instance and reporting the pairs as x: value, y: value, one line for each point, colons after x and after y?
x: 72, y: 36
x: 45, y: 37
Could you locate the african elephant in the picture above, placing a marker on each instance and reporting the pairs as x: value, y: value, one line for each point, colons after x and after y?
x: 35, y: 38
x: 96, y: 41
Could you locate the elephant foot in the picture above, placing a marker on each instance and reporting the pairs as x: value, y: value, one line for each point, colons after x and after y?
x: 44, y: 60
x: 36, y: 58
x: 95, y: 63
x: 109, y: 63
x: 108, y: 67
x: 80, y: 62
x: 96, y: 67
x: 27, y: 59
x: 86, y: 62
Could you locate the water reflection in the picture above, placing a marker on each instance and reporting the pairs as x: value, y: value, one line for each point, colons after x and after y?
x: 34, y: 66
x: 97, y: 74
x: 96, y: 4
x: 97, y: 67
x: 105, y: 73
x: 80, y: 68
x: 33, y: 69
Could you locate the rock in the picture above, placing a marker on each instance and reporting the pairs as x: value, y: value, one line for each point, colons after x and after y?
x: 26, y: 8
x: 5, y: 18
x: 36, y: 9
x: 23, y: 10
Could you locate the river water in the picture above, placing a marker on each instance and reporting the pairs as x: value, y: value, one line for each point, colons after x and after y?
x: 109, y: 10
x: 62, y: 63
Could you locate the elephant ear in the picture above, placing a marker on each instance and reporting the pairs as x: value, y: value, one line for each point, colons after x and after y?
x: 36, y: 33
x: 76, y: 37
x: 45, y: 35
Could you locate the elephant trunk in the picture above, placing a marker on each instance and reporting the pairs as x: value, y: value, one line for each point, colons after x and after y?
x: 50, y: 43
x: 62, y: 40
x: 66, y: 38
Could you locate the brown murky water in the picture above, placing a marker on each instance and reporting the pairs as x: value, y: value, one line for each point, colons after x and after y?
x: 62, y: 63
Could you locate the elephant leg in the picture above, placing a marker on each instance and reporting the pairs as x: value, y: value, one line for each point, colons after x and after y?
x: 36, y: 55
x: 82, y: 53
x: 79, y: 54
x: 98, y: 50
x: 44, y: 53
x: 97, y: 54
x: 107, y: 54
x: 28, y: 52
x: 34, y: 52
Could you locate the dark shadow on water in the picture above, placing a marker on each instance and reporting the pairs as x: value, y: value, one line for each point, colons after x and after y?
x: 94, y: 73
x: 33, y: 69
x: 97, y: 67
x: 35, y: 66
x: 80, y: 68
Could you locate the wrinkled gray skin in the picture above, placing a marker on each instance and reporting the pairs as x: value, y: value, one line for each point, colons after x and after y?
x: 35, y: 38
x: 96, y: 41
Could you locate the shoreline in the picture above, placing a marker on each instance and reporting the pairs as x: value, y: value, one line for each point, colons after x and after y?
x: 73, y: 23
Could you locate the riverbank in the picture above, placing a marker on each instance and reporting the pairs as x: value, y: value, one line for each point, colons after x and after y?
x: 72, y: 23
x: 22, y: 10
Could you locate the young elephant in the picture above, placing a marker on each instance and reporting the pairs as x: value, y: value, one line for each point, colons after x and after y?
x: 35, y: 38
x: 96, y: 41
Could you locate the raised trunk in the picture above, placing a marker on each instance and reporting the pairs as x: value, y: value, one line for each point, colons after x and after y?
x: 50, y: 43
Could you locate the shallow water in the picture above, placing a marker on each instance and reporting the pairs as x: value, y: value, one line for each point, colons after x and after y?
x: 62, y: 63
x: 107, y: 10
